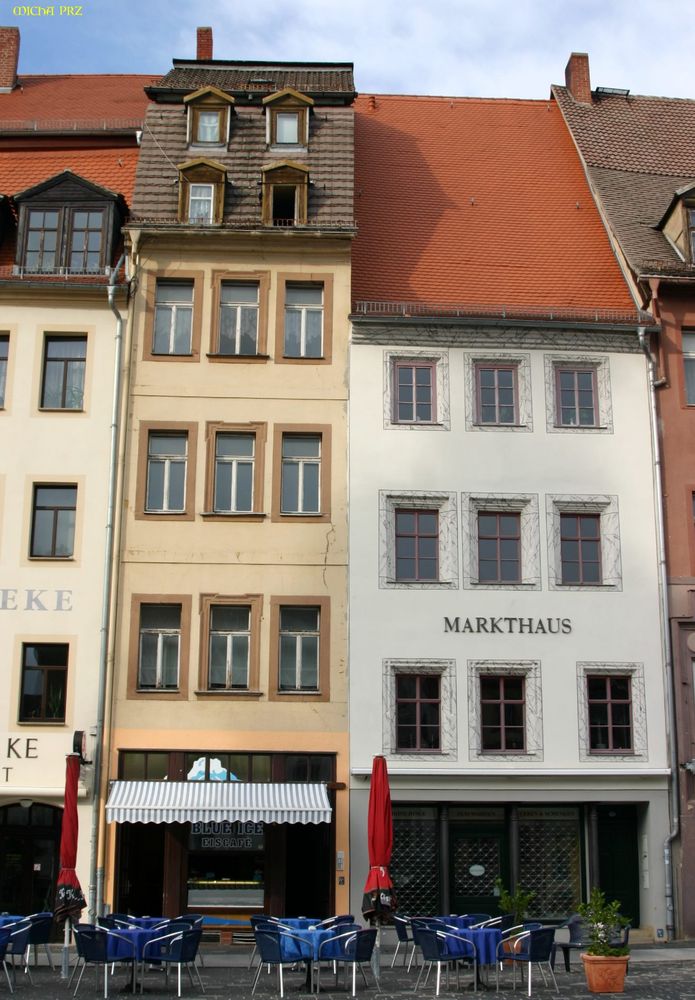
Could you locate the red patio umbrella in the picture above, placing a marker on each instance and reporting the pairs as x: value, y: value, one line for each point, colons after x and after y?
x: 69, y: 899
x: 379, y: 896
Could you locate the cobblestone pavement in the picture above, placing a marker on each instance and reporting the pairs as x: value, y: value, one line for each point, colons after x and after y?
x: 665, y: 973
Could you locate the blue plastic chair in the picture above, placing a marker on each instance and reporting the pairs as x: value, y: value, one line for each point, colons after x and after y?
x: 40, y: 933
x: 92, y: 945
x: 18, y: 945
x: 444, y: 949
x: 178, y: 948
x: 405, y: 938
x: 528, y: 948
x: 279, y: 948
x: 351, y: 948
x: 4, y: 939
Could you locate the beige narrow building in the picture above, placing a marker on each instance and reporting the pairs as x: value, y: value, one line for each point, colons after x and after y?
x: 228, y: 754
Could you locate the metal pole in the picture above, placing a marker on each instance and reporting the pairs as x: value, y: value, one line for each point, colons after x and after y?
x: 65, y: 960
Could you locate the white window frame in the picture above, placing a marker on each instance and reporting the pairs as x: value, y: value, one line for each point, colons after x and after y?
x: 175, y: 306
x: 611, y: 565
x: 217, y: 141
x: 208, y: 198
x: 234, y: 462
x: 230, y: 637
x: 161, y: 634
x: 524, y: 504
x: 301, y: 463
x: 304, y: 309
x: 603, y: 402
x: 238, y: 307
x: 522, y: 363
x: 446, y: 671
x: 635, y: 671
x: 445, y: 505
x: 167, y: 461
x: 441, y: 419
x: 530, y: 670
x: 299, y: 644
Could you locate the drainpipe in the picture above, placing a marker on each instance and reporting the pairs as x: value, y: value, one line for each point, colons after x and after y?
x: 654, y: 384
x: 96, y: 874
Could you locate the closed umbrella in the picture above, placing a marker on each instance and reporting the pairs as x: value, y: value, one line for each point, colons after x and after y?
x: 379, y: 897
x: 69, y: 899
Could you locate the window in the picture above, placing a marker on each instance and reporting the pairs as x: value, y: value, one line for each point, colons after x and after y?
x: 301, y: 474
x: 64, y: 363
x: 234, y: 472
x: 414, y: 396
x: 200, y: 203
x: 576, y: 397
x: 688, y: 338
x: 53, y: 522
x: 208, y: 127
x: 299, y: 649
x: 229, y: 651
x: 496, y: 394
x: 41, y: 253
x: 167, y: 456
x: 418, y: 540
x: 160, y: 647
x: 580, y: 548
x: 86, y: 241
x: 505, y: 710
x: 691, y: 228
x: 239, y: 312
x: 417, y: 545
x: 303, y: 321
x: 285, y: 192
x: 499, y: 547
x: 173, y: 319
x: 286, y: 127
x: 578, y: 394
x: 609, y: 701
x: 417, y: 712
x: 502, y: 709
x: 287, y: 118
x: 4, y: 355
x: 44, y: 682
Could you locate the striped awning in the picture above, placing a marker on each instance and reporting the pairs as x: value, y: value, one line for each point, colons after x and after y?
x: 216, y: 801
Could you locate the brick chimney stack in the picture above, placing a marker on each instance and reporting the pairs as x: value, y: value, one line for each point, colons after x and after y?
x: 577, y: 77
x: 204, y: 47
x: 9, y: 57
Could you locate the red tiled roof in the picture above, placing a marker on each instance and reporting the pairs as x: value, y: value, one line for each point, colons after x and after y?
x: 115, y: 99
x: 477, y: 202
x: 110, y: 168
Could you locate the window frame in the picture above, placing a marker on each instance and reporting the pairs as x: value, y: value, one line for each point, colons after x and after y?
x: 688, y: 361
x: 324, y: 433
x: 295, y: 278
x: 498, y: 538
x: 70, y: 233
x: 418, y: 513
x: 254, y: 602
x: 446, y: 671
x: 287, y: 174
x: 262, y: 280
x: 441, y: 413
x: 582, y: 541
x: 322, y: 605
x: 51, y: 337
x: 259, y: 432
x: 46, y: 671
x: 183, y: 601
x: 174, y: 306
x: 501, y: 703
x: 402, y: 364
x: 530, y: 671
x: 446, y: 506
x: 606, y: 507
x: 599, y: 367
x: 575, y: 371
x: 158, y: 427
x: 173, y: 276
x: 202, y: 172
x: 65, y: 211
x: 5, y: 340
x: 287, y: 101
x: 53, y: 555
x: 523, y: 504
x: 635, y: 671
x: 496, y: 367
x: 208, y: 100
x: 611, y: 704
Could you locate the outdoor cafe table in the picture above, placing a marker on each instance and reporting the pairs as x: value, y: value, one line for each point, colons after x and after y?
x: 117, y: 944
x: 313, y: 937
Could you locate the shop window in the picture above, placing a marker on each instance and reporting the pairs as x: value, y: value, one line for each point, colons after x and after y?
x: 4, y: 356
x: 609, y: 700
x: 417, y: 545
x: 173, y: 319
x: 201, y: 191
x: 44, y: 682
x: 64, y: 364
x: 227, y: 767
x: 146, y: 766
x: 496, y: 394
x: 502, y: 711
x: 418, y: 703
x: 499, y: 547
x: 309, y: 767
x: 166, y: 471
x: 54, y: 510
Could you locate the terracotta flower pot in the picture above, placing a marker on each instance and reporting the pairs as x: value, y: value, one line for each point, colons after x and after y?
x: 605, y: 973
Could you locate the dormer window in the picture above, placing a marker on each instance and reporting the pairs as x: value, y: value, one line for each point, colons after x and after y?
x: 66, y: 226
x: 201, y: 191
x: 285, y: 188
x: 208, y: 111
x: 678, y: 222
x: 691, y: 227
x: 287, y: 119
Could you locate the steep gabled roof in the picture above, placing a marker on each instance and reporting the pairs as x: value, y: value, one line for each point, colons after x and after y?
x: 639, y: 151
x: 477, y: 203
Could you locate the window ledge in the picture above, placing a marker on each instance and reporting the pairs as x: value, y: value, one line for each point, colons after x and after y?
x: 41, y: 722
x: 171, y: 354
x: 302, y: 357
x: 233, y: 515
x: 61, y: 409
x: 158, y: 691
x: 237, y: 358
x: 301, y: 693
x: 60, y: 559
x: 228, y: 693
x: 287, y: 147
x: 424, y: 424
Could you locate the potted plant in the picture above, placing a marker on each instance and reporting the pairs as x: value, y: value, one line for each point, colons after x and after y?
x: 605, y: 959
x: 516, y: 902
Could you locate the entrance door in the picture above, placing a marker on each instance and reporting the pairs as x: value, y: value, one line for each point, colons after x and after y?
x: 140, y: 887
x: 618, y: 858
x: 477, y: 858
x: 29, y: 849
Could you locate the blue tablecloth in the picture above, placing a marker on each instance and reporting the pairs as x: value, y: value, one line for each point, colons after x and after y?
x: 9, y: 918
x: 485, y: 941
x: 147, y: 921
x: 119, y: 940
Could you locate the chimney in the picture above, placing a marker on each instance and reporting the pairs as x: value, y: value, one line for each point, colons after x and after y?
x: 9, y: 57
x: 204, y: 47
x: 577, y: 77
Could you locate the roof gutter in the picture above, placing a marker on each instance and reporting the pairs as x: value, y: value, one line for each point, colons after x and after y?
x: 654, y: 384
x: 96, y: 870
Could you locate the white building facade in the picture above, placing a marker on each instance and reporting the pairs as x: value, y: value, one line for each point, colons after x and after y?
x: 505, y: 633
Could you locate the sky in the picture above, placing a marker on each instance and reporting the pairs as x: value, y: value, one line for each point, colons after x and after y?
x: 467, y: 48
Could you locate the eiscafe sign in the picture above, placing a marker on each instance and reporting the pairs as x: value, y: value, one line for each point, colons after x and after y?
x: 503, y: 625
